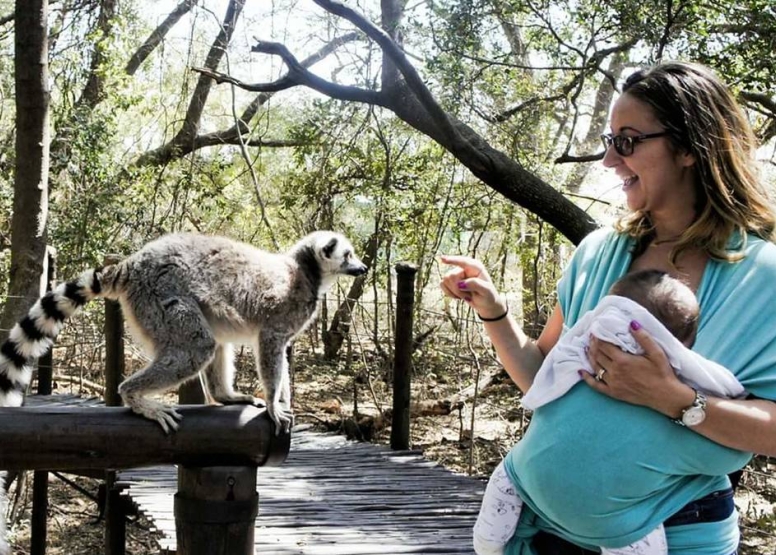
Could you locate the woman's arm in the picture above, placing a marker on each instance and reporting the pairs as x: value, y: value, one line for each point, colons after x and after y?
x: 649, y: 380
x: 521, y: 356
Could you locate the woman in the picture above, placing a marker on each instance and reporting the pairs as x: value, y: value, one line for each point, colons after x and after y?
x: 592, y: 467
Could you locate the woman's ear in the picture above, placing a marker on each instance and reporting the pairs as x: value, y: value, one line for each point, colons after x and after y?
x: 687, y: 159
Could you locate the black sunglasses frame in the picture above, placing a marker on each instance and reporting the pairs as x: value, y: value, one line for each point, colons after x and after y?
x: 625, y: 144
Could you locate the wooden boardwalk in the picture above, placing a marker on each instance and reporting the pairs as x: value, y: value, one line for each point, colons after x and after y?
x: 335, y: 497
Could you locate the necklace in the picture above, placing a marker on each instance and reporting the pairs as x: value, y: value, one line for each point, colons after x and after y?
x: 656, y: 242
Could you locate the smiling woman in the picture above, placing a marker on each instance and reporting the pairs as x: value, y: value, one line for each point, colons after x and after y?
x: 605, y: 465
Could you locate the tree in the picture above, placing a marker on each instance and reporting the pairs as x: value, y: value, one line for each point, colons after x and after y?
x: 30, y: 205
x: 404, y: 93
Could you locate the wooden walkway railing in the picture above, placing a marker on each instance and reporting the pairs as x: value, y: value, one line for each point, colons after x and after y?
x: 217, y: 450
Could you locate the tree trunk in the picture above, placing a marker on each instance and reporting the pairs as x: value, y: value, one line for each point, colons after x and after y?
x: 340, y: 323
x: 30, y: 204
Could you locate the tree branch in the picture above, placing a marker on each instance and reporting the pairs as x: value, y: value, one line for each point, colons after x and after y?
x: 192, y: 120
x: 763, y: 100
x: 397, y: 57
x: 297, y: 75
x: 567, y: 158
x: 233, y: 134
x: 156, y: 37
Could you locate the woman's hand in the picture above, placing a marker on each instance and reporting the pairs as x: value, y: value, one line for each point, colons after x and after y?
x: 470, y: 282
x: 647, y: 379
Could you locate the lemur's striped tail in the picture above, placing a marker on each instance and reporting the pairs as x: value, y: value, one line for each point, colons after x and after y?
x: 34, y: 334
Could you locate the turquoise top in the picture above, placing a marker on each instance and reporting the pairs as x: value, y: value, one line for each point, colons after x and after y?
x: 601, y: 472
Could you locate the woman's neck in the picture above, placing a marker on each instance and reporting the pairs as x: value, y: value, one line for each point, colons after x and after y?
x: 671, y: 227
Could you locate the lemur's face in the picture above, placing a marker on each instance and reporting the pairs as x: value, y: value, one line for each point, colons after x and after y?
x: 337, y: 256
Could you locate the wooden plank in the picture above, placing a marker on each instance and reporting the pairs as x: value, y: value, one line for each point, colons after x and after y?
x: 335, y: 497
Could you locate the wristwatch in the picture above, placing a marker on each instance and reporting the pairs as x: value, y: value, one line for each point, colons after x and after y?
x: 695, y: 413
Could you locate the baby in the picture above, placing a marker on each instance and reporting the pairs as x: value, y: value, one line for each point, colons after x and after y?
x: 668, y: 310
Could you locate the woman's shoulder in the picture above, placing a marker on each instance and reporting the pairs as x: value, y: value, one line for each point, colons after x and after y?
x: 598, y: 238
x: 756, y: 269
x: 760, y: 252
x: 603, y: 241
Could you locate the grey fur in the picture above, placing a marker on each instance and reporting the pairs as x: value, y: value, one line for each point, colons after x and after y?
x: 187, y: 298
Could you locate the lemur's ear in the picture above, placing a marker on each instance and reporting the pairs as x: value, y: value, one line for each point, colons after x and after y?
x: 329, y: 248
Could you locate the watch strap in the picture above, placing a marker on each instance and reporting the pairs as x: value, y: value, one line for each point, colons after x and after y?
x: 699, y: 402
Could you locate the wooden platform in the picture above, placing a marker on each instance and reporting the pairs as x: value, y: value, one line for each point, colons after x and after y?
x: 334, y: 497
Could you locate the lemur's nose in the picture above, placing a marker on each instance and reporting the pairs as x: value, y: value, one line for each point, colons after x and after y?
x: 358, y: 270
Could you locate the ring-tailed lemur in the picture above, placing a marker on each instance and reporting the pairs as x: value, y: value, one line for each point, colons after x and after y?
x: 186, y: 299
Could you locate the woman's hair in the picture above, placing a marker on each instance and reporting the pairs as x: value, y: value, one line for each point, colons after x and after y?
x: 705, y: 120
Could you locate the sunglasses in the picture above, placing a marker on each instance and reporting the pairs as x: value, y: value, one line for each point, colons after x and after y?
x: 624, y: 144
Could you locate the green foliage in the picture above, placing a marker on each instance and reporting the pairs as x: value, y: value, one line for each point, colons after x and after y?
x: 739, y: 39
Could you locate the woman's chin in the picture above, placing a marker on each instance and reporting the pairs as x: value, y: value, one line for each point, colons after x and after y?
x: 634, y: 202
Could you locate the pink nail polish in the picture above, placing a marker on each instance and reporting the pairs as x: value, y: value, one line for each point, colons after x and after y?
x: 635, y: 325
x: 461, y: 285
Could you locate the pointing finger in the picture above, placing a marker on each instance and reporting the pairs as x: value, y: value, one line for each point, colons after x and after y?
x: 463, y: 262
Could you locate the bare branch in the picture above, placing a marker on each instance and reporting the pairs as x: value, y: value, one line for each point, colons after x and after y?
x: 763, y: 100
x: 297, y: 75
x: 396, y: 55
x: 196, y: 106
x: 157, y: 36
x: 233, y: 135
x: 567, y: 158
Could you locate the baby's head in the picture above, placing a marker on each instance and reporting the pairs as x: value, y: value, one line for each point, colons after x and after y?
x: 666, y: 298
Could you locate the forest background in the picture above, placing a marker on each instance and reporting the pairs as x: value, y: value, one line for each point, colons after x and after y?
x: 416, y: 128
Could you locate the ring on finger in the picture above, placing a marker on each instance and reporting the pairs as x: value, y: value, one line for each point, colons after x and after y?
x: 600, y: 376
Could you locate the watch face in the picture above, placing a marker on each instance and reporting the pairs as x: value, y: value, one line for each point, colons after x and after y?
x: 693, y: 416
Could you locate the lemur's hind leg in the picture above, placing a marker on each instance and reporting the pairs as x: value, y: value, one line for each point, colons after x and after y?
x: 272, y: 366
x: 220, y: 379
x: 183, y: 345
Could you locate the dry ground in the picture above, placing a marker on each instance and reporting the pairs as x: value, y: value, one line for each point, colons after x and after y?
x: 325, y: 396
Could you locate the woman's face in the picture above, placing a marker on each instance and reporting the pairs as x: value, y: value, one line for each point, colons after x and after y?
x: 655, y: 177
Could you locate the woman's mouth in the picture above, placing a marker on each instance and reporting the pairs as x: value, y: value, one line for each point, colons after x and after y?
x: 629, y: 182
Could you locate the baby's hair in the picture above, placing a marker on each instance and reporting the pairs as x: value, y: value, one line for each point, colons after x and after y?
x: 666, y: 298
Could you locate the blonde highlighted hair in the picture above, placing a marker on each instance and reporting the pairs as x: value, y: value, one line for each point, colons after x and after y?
x: 704, y: 119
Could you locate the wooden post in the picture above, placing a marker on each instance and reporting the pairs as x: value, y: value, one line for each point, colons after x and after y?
x: 402, y: 358
x: 40, y: 478
x: 215, y: 510
x: 115, y: 516
x: 114, y: 347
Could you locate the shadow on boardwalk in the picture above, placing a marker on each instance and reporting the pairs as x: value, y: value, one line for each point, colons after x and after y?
x: 335, y: 497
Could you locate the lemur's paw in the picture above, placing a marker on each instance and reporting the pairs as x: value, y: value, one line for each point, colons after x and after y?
x: 167, y: 417
x: 282, y: 416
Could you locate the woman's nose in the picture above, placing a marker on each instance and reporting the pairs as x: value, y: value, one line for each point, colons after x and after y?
x: 611, y: 158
